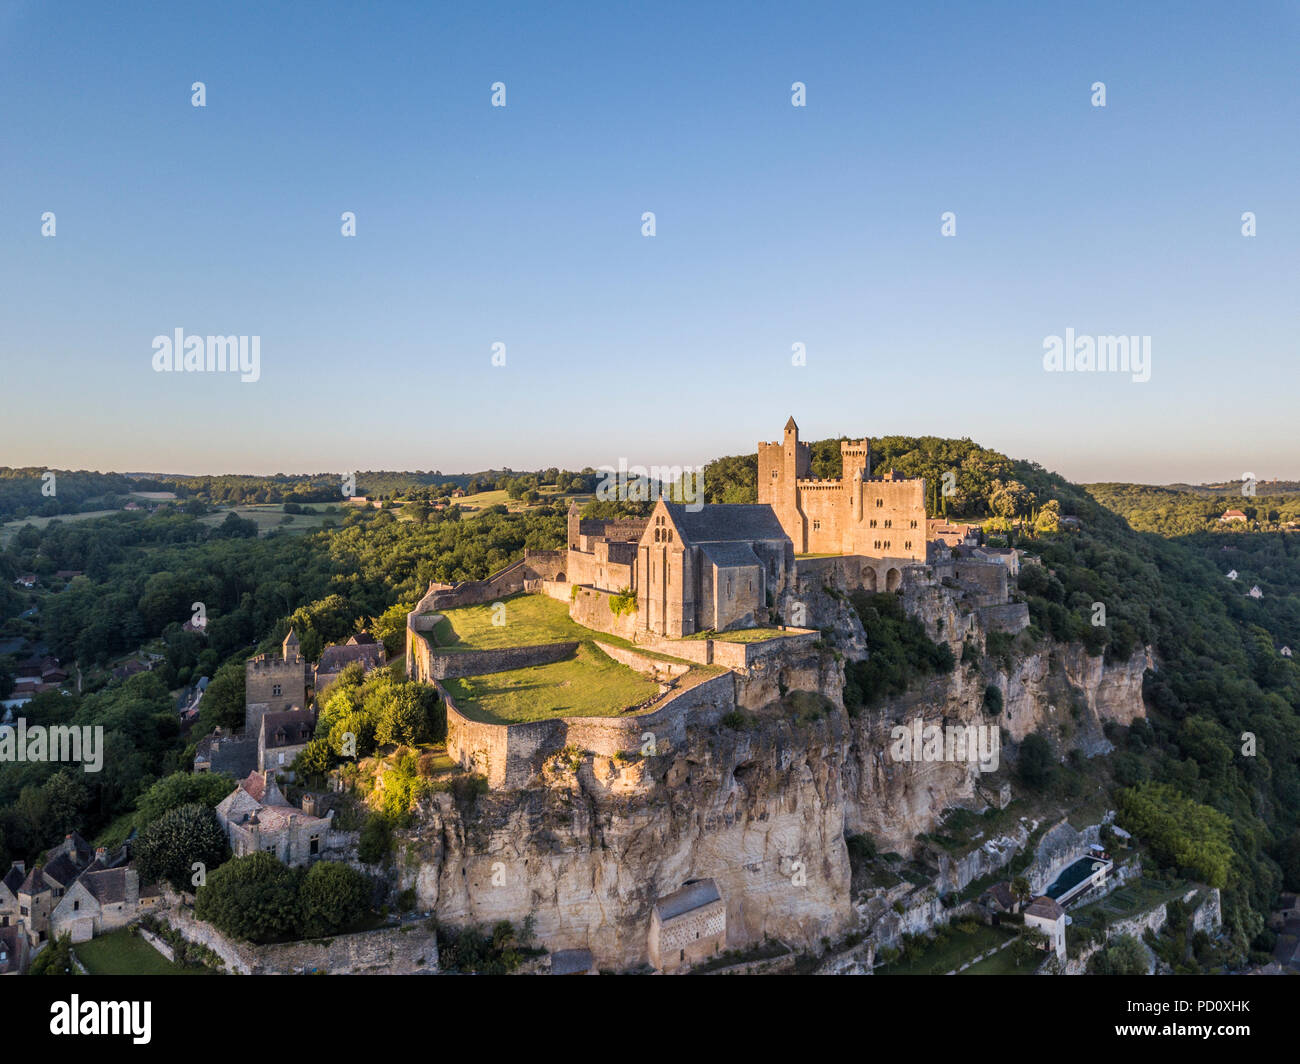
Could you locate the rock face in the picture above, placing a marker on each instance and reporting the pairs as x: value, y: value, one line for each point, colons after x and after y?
x: 1056, y: 691
x: 760, y: 810
x: 762, y: 807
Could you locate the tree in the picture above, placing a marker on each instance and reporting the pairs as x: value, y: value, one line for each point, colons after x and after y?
x: 55, y: 959
x: 170, y: 846
x: 406, y: 715
x: 1182, y: 833
x: 1027, y: 946
x: 334, y: 897
x: 1021, y: 891
x: 254, y: 898
x: 223, y: 701
x: 1036, y: 764
x: 181, y: 788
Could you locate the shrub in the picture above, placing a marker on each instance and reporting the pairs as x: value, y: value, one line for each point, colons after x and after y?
x: 334, y: 897
x: 992, y: 700
x: 254, y: 898
x: 169, y: 847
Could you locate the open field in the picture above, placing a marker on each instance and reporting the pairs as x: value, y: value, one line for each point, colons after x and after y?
x: 271, y: 515
x: 8, y: 530
x: 587, y: 684
x: 122, y: 953
x: 473, y: 505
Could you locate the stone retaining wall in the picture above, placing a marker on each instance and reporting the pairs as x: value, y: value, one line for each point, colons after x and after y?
x: 410, y: 949
x: 510, y: 755
x: 429, y: 664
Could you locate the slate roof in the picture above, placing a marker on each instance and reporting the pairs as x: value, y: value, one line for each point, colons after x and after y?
x: 333, y: 659
x: 13, y: 878
x: 107, y: 886
x: 692, y: 896
x: 726, y: 522
x: 297, y: 727
x: 731, y: 555
x: 62, y: 870
x: 1001, y: 893
x: 1045, y: 907
x: 35, y: 883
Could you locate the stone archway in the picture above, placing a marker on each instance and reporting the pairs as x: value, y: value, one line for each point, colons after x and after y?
x: 892, y: 579
x: 869, y: 578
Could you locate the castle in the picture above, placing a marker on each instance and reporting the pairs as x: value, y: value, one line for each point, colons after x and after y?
x: 721, y: 566
x: 873, y: 517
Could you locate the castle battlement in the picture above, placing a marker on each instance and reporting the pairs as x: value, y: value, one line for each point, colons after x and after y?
x: 840, y: 515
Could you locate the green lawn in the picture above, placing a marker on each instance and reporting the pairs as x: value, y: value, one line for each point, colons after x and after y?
x: 743, y: 635
x: 938, y: 959
x: 530, y: 620
x: 122, y: 953
x: 1001, y: 963
x: 587, y: 684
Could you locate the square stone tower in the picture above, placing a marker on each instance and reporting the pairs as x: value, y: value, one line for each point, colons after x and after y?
x: 274, y: 684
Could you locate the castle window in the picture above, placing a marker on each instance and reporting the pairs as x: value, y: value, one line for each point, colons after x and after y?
x: 873, y: 522
x: 817, y: 526
x: 315, y: 844
x: 275, y: 690
x: 880, y: 502
x: 907, y: 545
x: 913, y: 524
x: 889, y: 524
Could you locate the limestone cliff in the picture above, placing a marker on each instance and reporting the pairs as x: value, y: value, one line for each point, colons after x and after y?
x: 761, y: 802
x: 587, y: 852
x: 1054, y: 690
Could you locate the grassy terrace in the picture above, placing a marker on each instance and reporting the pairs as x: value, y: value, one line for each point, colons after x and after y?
x: 122, y: 953
x: 743, y: 635
x: 530, y: 620
x: 587, y: 684
x: 1130, y: 900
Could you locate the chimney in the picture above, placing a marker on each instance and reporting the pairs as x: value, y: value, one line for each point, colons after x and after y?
x: 101, y: 852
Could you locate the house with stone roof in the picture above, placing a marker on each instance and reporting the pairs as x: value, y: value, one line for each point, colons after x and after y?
x: 281, y: 737
x: 258, y: 818
x: 361, y: 649
x: 1047, y: 915
x: 9, y: 884
x: 687, y: 926
x: 102, y: 900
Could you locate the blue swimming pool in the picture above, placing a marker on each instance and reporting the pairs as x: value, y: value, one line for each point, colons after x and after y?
x: 1073, y: 876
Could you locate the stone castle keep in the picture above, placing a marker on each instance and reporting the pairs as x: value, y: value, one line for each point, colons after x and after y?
x: 874, y: 517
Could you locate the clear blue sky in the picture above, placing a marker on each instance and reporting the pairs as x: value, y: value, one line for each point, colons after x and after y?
x: 522, y: 224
